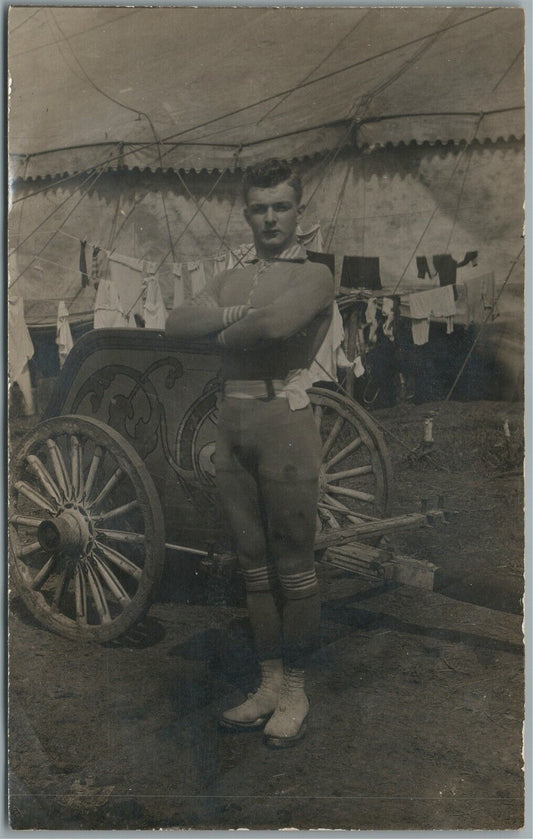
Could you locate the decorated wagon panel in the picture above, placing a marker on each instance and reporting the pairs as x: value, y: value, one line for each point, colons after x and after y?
x: 154, y: 391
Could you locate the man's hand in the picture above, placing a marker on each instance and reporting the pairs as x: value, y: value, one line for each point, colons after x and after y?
x: 199, y: 321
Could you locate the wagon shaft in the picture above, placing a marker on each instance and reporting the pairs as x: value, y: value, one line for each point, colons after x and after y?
x: 379, y: 527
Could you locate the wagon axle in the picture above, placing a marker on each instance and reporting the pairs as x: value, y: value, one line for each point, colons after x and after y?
x: 70, y: 533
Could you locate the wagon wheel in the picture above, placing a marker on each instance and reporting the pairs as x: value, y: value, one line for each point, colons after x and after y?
x: 86, y: 529
x: 356, y: 475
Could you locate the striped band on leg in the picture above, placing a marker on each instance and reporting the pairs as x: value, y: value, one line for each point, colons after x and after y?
x: 298, y: 586
x: 260, y: 579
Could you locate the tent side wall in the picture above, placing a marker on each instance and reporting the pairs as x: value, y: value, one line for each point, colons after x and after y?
x: 395, y: 203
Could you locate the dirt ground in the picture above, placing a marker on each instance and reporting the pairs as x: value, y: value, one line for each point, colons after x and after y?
x: 416, y: 696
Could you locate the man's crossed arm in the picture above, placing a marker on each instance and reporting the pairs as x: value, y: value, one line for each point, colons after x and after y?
x: 243, y: 327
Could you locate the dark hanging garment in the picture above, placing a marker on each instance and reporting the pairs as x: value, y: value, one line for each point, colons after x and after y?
x: 360, y: 272
x: 83, y: 266
x: 422, y: 267
x: 470, y: 256
x: 446, y: 268
x: 324, y: 259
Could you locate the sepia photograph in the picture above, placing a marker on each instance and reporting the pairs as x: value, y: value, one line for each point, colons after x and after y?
x: 265, y: 417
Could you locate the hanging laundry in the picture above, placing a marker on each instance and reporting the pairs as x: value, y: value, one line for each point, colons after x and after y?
x: 19, y: 351
x: 479, y: 293
x: 361, y: 272
x: 98, y: 262
x: 422, y: 267
x: 154, y: 311
x: 108, y: 310
x: 387, y: 309
x: 323, y: 258
x: 196, y: 274
x: 370, y: 317
x: 128, y: 275
x: 219, y: 263
x: 63, y: 334
x: 470, y: 256
x: 446, y: 268
x: 439, y: 302
x: 331, y: 354
x: 83, y: 265
x: 311, y: 239
x: 179, y: 287
x: 358, y: 368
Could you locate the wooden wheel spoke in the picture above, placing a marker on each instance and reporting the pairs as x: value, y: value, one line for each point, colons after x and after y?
x: 28, y: 550
x: 42, y: 473
x: 76, y: 465
x: 114, y: 585
x: 123, y: 536
x: 61, y: 587
x: 96, y: 462
x: 117, y: 511
x: 40, y: 578
x: 332, y: 436
x: 27, y: 521
x: 341, y: 509
x: 349, y: 493
x: 80, y: 589
x: 351, y: 447
x: 351, y: 473
x: 328, y: 515
x: 33, y: 495
x: 117, y: 476
x: 120, y: 561
x: 317, y: 413
x: 98, y: 595
x: 59, y: 468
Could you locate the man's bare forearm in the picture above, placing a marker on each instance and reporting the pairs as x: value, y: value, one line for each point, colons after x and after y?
x: 199, y: 321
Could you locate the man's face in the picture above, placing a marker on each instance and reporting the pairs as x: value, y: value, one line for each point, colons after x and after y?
x: 273, y: 215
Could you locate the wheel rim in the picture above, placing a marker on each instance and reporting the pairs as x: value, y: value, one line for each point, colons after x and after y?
x: 86, y: 528
x: 351, y: 443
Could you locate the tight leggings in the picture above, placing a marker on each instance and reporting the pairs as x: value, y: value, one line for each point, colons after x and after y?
x: 267, y: 464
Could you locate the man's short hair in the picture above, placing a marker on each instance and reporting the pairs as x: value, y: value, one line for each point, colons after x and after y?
x: 271, y: 173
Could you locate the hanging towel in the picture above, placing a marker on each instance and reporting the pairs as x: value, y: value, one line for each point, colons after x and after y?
x: 387, y: 308
x: 196, y: 277
x: 360, y: 272
x: 83, y: 265
x: 128, y: 275
x: 63, y: 335
x: 479, y: 294
x: 108, y: 311
x: 330, y: 355
x: 311, y: 239
x: 154, y: 312
x: 20, y: 351
x: 370, y: 317
x: 179, y: 288
x: 219, y: 263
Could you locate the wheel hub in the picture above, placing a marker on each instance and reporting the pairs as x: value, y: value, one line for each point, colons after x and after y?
x: 69, y: 533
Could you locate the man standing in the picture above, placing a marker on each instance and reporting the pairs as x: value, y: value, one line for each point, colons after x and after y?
x: 270, y: 317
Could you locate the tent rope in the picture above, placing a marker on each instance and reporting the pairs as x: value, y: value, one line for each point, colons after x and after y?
x: 54, y: 234
x: 514, y: 262
x: 143, y: 146
x: 432, y: 215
